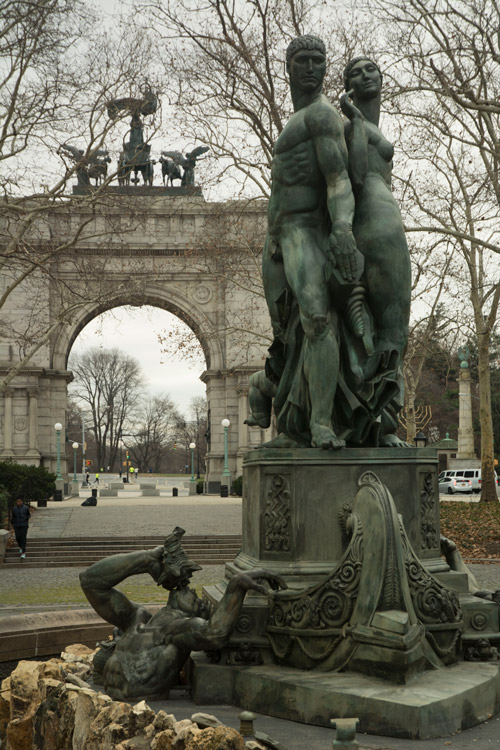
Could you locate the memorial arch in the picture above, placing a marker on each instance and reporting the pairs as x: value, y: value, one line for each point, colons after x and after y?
x: 140, y: 250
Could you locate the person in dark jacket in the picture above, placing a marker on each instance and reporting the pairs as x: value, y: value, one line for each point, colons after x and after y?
x: 20, y: 516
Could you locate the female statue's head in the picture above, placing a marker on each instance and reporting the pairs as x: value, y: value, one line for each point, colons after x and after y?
x: 363, y: 76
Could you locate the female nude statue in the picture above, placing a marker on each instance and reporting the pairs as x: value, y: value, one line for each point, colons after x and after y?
x: 378, y: 229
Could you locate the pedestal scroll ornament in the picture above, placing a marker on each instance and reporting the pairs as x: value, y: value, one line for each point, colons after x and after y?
x: 277, y: 515
x: 427, y: 514
x: 380, y: 611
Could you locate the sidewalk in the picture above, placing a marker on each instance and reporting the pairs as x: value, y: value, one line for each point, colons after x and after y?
x: 295, y: 736
x: 132, y: 514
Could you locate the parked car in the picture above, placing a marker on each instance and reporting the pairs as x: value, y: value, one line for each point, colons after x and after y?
x: 473, y: 474
x: 451, y: 485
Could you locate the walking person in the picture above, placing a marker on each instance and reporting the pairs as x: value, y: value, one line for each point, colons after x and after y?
x: 96, y: 478
x: 20, y: 522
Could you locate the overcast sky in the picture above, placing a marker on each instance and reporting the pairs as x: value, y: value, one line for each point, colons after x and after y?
x: 135, y: 331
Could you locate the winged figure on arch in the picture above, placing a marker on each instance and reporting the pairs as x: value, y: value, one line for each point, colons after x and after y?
x: 187, y: 161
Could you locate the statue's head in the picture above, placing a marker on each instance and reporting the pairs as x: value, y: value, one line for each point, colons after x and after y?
x: 187, y: 601
x: 177, y: 567
x: 307, y: 42
x: 306, y: 62
x: 359, y: 67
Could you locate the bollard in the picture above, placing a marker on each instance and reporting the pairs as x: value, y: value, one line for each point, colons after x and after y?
x: 58, y: 495
x: 247, y: 719
x: 175, y: 492
x: 94, y: 494
x: 224, y: 490
x: 346, y: 734
x: 41, y: 503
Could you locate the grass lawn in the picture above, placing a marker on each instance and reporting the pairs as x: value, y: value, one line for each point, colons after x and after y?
x: 69, y: 594
x: 474, y: 527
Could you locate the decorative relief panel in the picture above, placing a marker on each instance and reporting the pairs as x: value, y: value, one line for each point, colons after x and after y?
x: 20, y: 424
x: 428, y: 530
x: 277, y: 522
x: 202, y: 294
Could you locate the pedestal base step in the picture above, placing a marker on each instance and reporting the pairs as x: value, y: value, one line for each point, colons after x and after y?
x: 437, y: 704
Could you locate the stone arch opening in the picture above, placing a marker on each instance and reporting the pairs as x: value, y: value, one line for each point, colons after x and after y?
x: 194, y: 317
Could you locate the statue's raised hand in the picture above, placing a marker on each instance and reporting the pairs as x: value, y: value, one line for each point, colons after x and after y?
x: 156, y: 565
x: 347, y: 106
x: 255, y: 580
x: 343, y: 251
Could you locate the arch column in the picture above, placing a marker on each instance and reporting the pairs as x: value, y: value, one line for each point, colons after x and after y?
x: 8, y: 434
x: 222, y: 397
x: 33, y: 394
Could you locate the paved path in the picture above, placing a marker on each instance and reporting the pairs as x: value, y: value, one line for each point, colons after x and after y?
x: 296, y: 736
x: 132, y: 514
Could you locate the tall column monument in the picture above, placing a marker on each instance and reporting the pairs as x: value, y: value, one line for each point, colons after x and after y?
x: 465, y: 431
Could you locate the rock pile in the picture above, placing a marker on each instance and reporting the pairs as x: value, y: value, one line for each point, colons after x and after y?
x: 50, y: 706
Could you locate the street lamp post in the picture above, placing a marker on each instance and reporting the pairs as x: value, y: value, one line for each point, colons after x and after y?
x: 58, y: 428
x: 420, y: 440
x: 75, y: 448
x: 226, y: 474
x: 74, y: 483
x: 59, y: 479
x: 192, y: 483
x: 84, y: 455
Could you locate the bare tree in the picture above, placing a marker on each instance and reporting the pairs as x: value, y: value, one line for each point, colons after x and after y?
x: 107, y: 388
x: 431, y: 344
x: 56, y: 75
x: 228, y: 82
x: 154, y: 432
x: 198, y: 415
x: 446, y: 89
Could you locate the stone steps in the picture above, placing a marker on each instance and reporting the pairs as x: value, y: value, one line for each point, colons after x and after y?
x: 80, y: 552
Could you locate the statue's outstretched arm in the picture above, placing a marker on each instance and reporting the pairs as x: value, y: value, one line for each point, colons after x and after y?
x: 207, y: 635
x: 99, y: 579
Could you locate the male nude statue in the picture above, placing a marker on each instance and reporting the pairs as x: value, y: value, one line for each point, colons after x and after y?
x: 310, y: 217
x: 147, y: 658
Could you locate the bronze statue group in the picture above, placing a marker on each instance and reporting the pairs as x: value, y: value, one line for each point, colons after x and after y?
x: 336, y: 273
x: 336, y: 267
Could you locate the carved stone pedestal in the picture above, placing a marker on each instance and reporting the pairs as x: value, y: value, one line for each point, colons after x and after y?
x: 370, y: 603
x: 293, y: 501
x: 440, y: 703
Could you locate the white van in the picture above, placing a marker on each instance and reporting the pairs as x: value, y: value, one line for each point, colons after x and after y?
x: 473, y: 474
